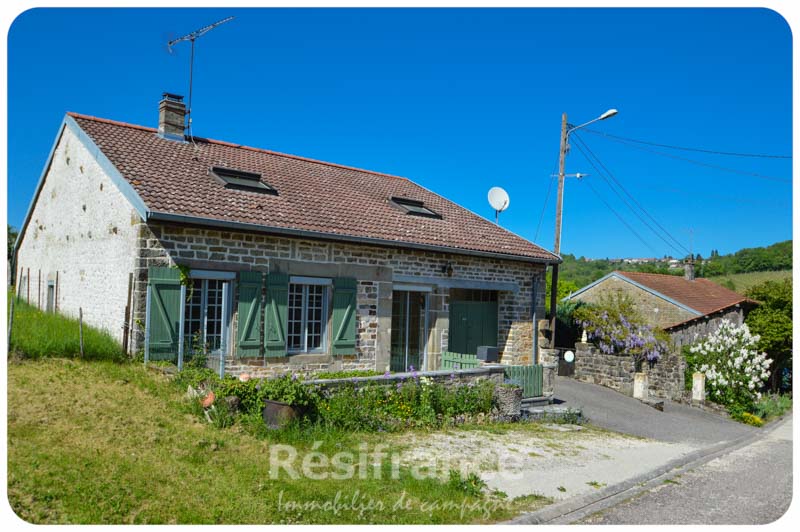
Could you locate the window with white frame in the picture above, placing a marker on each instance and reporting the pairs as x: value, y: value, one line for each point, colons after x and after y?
x: 205, y: 315
x: 308, y: 315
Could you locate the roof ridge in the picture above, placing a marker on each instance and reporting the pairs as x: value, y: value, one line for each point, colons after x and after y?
x: 241, y: 146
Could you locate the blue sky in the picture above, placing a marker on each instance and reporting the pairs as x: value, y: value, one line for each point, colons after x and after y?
x: 458, y: 100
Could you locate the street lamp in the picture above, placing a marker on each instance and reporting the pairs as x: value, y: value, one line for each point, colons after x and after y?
x: 566, y: 129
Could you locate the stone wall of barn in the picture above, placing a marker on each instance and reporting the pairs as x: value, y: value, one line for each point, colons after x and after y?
x: 657, y: 311
x: 700, y: 328
x: 373, y: 266
x: 81, y: 237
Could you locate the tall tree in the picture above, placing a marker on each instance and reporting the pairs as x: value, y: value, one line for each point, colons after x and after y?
x: 12, y: 238
x: 772, y: 321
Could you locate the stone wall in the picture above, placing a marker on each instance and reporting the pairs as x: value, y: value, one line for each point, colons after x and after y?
x: 690, y: 332
x: 81, y: 237
x: 665, y: 377
x: 655, y: 310
x: 376, y: 269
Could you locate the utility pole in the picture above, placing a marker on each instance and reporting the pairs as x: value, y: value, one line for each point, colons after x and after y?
x: 562, y: 158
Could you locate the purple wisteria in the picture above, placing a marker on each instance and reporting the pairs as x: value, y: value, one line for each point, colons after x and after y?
x: 614, y: 332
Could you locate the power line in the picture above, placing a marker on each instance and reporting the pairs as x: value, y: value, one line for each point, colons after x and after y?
x: 684, y: 148
x: 581, y: 145
x: 700, y: 163
x: 621, y: 219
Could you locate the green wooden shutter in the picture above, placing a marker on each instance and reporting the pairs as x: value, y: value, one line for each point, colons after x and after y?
x: 275, y: 315
x: 248, y: 331
x: 165, y: 312
x: 344, y: 320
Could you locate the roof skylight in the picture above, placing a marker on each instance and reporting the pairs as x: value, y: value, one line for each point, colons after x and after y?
x: 415, y: 207
x: 241, y: 180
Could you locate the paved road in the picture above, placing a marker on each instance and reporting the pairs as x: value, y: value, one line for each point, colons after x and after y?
x: 752, y: 485
x: 677, y: 423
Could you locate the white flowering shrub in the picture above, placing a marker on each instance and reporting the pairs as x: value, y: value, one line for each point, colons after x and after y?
x: 735, y: 370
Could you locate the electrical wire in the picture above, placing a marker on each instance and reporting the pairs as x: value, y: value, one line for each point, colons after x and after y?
x: 684, y: 148
x: 581, y: 145
x: 621, y: 219
x: 700, y: 163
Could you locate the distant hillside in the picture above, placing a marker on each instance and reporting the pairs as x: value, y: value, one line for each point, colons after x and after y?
x: 582, y: 271
x: 774, y: 258
x: 740, y: 282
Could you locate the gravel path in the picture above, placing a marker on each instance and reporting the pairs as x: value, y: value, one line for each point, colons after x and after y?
x: 557, y: 461
x: 752, y: 485
x: 677, y: 423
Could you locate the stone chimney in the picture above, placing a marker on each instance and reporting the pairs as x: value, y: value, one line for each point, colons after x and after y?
x: 171, y: 117
x: 688, y: 270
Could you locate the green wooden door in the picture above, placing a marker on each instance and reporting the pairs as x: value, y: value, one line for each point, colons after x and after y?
x: 472, y: 323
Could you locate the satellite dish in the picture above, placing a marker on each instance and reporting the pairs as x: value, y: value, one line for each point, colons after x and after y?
x: 498, y: 199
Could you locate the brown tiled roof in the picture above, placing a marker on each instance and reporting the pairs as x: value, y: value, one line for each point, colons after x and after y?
x: 329, y: 199
x: 700, y: 294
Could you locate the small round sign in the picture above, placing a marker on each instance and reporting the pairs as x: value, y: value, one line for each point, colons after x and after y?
x: 569, y: 356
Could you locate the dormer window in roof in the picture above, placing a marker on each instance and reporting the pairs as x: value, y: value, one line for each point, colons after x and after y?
x: 241, y: 180
x: 414, y: 207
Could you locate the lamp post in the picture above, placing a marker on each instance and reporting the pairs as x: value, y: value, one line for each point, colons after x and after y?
x: 566, y: 129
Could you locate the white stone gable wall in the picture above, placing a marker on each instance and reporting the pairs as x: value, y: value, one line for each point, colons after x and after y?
x: 83, y: 228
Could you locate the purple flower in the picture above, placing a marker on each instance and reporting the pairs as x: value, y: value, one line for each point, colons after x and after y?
x: 386, y: 375
x: 452, y: 376
x: 411, y: 368
x: 294, y: 376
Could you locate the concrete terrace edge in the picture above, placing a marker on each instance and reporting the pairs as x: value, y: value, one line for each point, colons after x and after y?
x: 574, y: 509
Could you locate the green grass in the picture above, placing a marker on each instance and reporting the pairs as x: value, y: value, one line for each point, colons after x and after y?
x: 773, y: 406
x: 102, y: 442
x: 38, y: 334
x: 742, y: 281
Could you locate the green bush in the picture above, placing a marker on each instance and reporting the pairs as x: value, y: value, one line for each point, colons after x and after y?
x: 38, y: 334
x: 472, y: 484
x: 773, y: 406
x: 693, y: 362
x: 411, y: 403
x: 252, y: 393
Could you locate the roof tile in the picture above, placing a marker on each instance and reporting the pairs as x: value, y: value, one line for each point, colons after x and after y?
x: 700, y: 294
x: 173, y: 177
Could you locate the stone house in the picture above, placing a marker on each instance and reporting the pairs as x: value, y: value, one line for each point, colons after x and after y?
x: 270, y: 262
x: 686, y: 307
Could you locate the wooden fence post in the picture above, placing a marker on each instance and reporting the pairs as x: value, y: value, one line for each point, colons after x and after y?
x: 11, y: 321
x: 80, y: 327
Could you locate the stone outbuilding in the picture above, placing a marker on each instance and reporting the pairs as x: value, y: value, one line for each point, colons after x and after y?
x: 686, y: 307
x: 269, y: 262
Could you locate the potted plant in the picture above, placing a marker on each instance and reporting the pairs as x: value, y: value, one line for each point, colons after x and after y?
x: 285, y: 399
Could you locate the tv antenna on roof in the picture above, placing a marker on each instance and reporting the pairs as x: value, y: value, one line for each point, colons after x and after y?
x: 499, y: 200
x: 191, y: 37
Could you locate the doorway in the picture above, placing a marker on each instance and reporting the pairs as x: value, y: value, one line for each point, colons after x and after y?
x: 409, y: 330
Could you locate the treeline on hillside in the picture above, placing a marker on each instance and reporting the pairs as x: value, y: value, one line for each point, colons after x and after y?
x: 580, y: 272
x: 762, y: 259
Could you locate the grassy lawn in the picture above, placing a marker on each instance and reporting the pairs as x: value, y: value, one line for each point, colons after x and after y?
x: 103, y: 442
x: 743, y: 281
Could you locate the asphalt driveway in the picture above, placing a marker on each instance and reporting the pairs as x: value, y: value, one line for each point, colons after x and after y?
x: 677, y: 423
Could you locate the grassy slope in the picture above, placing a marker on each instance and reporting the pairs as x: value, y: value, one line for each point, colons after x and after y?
x: 743, y: 281
x: 98, y: 442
